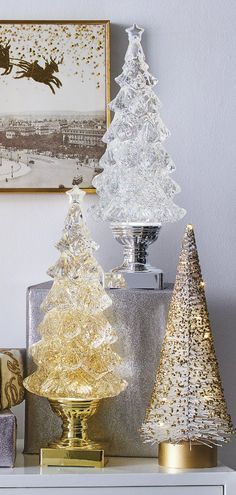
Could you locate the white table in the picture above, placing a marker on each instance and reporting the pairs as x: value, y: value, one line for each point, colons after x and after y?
x: 121, y: 476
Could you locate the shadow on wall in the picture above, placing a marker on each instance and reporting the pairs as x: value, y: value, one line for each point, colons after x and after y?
x: 222, y: 314
x: 119, y: 45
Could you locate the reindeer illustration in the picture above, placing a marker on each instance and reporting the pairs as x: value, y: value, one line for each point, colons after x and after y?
x: 5, y: 62
x: 37, y: 73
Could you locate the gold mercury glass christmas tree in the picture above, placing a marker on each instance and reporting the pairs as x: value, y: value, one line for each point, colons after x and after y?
x: 76, y: 365
x: 187, y: 414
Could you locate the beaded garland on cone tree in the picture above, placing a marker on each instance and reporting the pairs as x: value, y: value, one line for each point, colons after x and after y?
x: 76, y: 365
x: 135, y: 188
x: 187, y: 414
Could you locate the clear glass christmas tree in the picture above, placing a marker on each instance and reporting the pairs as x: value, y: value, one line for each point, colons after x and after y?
x: 75, y: 360
x: 74, y: 357
x: 187, y: 404
x: 135, y: 186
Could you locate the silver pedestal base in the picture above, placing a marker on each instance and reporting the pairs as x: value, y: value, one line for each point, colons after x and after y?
x: 136, y: 239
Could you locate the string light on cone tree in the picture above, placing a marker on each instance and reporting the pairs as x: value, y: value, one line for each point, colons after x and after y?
x: 75, y: 360
x: 187, y: 402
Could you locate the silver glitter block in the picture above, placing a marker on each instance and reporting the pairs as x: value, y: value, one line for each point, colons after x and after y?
x: 139, y: 318
x: 7, y: 438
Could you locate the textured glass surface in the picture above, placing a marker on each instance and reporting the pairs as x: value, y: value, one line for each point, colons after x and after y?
x: 188, y: 400
x: 135, y: 186
x: 75, y: 358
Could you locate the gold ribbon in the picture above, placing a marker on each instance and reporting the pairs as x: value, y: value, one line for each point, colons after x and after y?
x: 11, y: 378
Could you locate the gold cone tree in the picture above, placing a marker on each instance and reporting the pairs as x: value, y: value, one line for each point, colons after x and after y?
x: 187, y: 403
x: 74, y: 358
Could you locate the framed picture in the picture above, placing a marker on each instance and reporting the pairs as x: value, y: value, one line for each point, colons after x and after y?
x: 54, y: 90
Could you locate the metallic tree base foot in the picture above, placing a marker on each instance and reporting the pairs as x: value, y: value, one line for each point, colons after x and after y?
x: 136, y: 239
x: 74, y: 448
x: 186, y: 455
x: 69, y: 457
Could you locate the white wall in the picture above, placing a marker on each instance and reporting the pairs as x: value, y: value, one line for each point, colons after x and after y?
x: 190, y: 46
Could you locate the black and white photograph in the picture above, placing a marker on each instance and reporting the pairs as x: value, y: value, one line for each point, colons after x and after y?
x: 54, y: 90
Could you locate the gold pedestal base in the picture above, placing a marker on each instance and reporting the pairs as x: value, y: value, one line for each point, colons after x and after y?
x: 186, y: 455
x: 74, y: 448
x: 72, y: 457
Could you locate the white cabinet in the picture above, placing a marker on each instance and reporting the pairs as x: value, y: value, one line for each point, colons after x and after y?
x: 164, y: 490
x: 121, y: 476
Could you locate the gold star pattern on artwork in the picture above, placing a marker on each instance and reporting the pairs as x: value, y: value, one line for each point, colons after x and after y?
x: 80, y: 44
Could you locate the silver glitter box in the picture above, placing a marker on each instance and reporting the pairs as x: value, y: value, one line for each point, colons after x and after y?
x: 139, y: 318
x: 7, y: 438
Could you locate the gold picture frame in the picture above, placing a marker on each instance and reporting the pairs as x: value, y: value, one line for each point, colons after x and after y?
x: 28, y: 50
